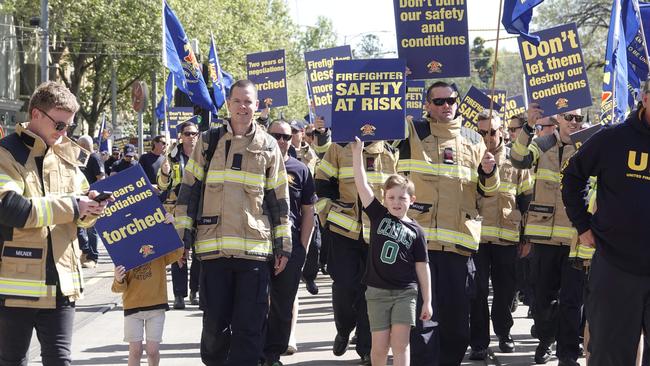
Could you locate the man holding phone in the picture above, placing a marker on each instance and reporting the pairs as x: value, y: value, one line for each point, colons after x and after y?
x: 43, y: 198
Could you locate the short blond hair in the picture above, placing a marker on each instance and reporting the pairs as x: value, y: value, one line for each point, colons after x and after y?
x: 50, y: 95
x: 396, y: 180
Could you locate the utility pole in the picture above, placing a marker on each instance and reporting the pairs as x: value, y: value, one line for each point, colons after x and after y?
x: 45, y: 73
x: 153, y: 127
x: 113, y: 95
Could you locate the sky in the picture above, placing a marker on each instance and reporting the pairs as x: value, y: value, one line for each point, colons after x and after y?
x: 354, y: 18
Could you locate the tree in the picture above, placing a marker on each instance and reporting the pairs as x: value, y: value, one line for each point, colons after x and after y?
x: 369, y: 47
x: 482, y: 60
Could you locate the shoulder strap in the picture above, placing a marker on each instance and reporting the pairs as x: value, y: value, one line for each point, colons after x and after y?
x: 213, y: 139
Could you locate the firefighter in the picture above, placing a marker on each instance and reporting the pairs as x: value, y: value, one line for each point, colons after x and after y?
x: 170, y: 176
x: 557, y: 284
x: 235, y: 199
x: 348, y: 231
x: 43, y: 198
x: 450, y: 167
x: 497, y: 252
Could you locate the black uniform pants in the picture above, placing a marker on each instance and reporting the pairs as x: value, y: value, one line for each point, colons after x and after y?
x: 346, y: 266
x: 524, y: 285
x: 284, y: 288
x: 179, y: 277
x: 234, y: 296
x: 618, y: 309
x: 496, y: 262
x: 310, y: 270
x: 452, y: 284
x: 558, y: 299
x: 53, y: 329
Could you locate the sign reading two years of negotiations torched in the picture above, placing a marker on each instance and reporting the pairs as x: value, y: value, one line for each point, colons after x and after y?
x: 133, y: 227
x: 556, y: 77
x: 369, y: 100
x: 269, y: 73
x: 432, y: 37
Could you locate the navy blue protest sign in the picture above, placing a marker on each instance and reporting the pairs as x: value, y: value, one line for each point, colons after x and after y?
x: 176, y: 116
x: 369, y: 100
x: 432, y: 37
x: 415, y: 97
x: 133, y: 227
x: 320, y: 71
x: 500, y: 96
x: 269, y: 73
x: 472, y: 104
x: 580, y: 137
x: 515, y: 105
x: 556, y: 77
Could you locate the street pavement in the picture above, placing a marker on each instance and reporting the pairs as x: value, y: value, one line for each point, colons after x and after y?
x: 98, y: 330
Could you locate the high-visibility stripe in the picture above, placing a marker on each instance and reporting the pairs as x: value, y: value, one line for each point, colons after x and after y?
x: 344, y: 221
x: 44, y: 214
x: 451, y: 237
x: 373, y: 177
x: 492, y: 188
x: 282, y: 231
x: 321, y: 204
x: 233, y: 243
x: 275, y: 182
x: 499, y: 232
x: 526, y: 185
x: 548, y: 231
x: 585, y: 252
x: 322, y: 149
x: 8, y: 184
x: 17, y: 287
x: 534, y: 149
x: 519, y: 148
x: 77, y: 280
x: 183, y: 222
x: 328, y: 169
x: 236, y: 176
x: 446, y: 170
x: 195, y: 170
x: 507, y: 187
x: 548, y: 175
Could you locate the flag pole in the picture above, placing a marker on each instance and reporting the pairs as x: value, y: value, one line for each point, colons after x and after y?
x: 496, y: 58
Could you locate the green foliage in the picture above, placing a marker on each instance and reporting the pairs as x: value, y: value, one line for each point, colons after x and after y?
x: 369, y: 47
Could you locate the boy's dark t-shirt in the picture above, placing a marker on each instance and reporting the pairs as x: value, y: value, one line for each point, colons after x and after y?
x: 395, y: 246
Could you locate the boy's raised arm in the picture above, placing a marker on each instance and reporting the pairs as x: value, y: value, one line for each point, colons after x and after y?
x: 360, y: 180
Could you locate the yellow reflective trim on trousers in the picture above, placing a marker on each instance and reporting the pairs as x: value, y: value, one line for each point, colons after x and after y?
x: 447, y: 170
x: 8, y: 184
x: 321, y: 204
x: 16, y: 287
x: 344, y: 221
x: 328, y: 169
x: 507, y: 187
x: 282, y: 231
x: 195, y: 170
x: 44, y: 214
x: 183, y: 222
x: 275, y: 182
x: 236, y: 176
x: 548, y: 175
x: 233, y: 243
x: 548, y: 231
x: 499, y: 232
x: 322, y: 149
x: 451, y: 237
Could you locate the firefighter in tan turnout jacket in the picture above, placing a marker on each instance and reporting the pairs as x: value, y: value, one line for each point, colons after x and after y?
x: 240, y: 208
x: 44, y: 197
x: 450, y: 168
x: 497, y: 252
x: 551, y: 232
x: 341, y: 213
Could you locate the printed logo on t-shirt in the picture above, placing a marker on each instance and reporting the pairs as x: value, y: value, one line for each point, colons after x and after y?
x: 400, y: 234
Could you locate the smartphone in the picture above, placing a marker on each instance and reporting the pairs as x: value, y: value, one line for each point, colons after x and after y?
x: 103, y: 196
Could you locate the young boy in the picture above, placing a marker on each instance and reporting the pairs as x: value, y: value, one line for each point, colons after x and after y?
x: 397, y: 261
x: 144, y: 300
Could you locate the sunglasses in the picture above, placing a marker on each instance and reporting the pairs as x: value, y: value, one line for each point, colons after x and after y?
x: 541, y: 127
x: 513, y: 129
x: 58, y: 125
x: 483, y: 133
x: 190, y: 133
x: 281, y: 136
x: 571, y: 117
x: 440, y: 101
